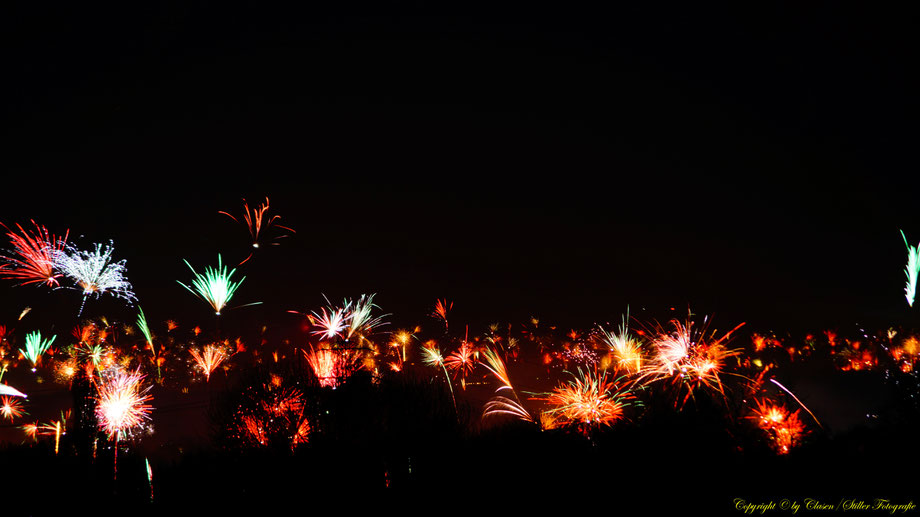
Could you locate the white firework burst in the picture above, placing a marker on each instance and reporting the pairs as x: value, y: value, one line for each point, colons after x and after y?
x: 95, y: 272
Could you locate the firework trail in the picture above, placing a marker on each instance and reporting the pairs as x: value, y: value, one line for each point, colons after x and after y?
x: 9, y: 390
x: 912, y: 270
x: 432, y: 357
x: 774, y: 381
x: 145, y: 329
x: 255, y: 221
x: 35, y: 347
x: 36, y: 256
x: 499, y: 404
x: 94, y: 272
x: 214, y: 286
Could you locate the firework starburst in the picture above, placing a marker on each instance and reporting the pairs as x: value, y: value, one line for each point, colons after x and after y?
x: 214, y: 286
x: 35, y: 256
x: 95, y: 272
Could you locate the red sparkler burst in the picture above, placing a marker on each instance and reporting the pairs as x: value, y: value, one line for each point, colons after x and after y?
x: 122, y: 401
x: 785, y: 429
x: 35, y: 256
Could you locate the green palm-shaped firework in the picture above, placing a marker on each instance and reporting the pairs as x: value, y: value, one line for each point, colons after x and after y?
x: 214, y: 286
x: 35, y: 347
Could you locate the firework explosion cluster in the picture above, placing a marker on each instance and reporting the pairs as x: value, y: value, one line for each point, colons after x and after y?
x: 533, y: 374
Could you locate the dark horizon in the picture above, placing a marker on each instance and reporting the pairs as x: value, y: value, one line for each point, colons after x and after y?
x: 533, y: 162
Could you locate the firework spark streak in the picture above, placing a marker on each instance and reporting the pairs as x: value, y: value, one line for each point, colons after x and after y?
x: 774, y: 381
x: 255, y: 222
x: 912, y: 270
x: 35, y: 347
x: 36, y: 259
x: 214, y: 286
x: 504, y: 406
x: 94, y: 272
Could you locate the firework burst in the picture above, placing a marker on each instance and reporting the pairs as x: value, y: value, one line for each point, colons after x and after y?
x: 256, y: 222
x: 360, y: 321
x: 331, y: 324
x: 461, y: 361
x: 122, y: 402
x: 689, y: 357
x: 10, y: 407
x: 441, y: 308
x: 626, y: 349
x: 209, y: 358
x: 35, y: 347
x: 784, y: 428
x: 327, y: 364
x: 590, y: 399
x: 214, y: 286
x: 35, y: 258
x: 94, y: 272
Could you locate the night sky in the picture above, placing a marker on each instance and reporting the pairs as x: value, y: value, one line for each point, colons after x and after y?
x: 558, y: 160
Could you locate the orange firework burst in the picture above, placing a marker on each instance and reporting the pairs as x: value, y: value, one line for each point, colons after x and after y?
x: 784, y: 429
x: 121, y: 402
x: 440, y: 311
x: 10, y: 407
x: 255, y: 222
x: 689, y: 357
x: 590, y: 399
x: 209, y: 358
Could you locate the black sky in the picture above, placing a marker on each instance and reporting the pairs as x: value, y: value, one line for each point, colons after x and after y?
x: 557, y: 160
